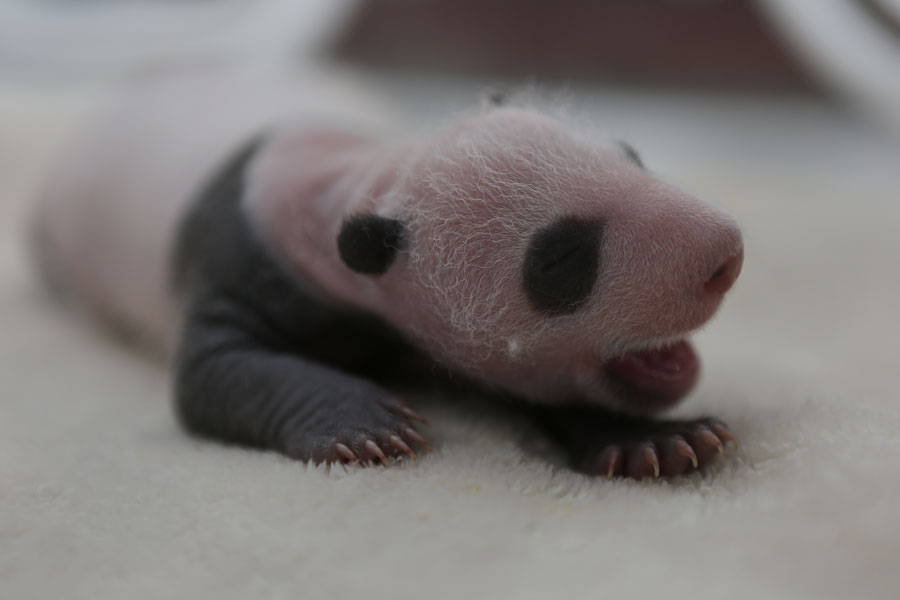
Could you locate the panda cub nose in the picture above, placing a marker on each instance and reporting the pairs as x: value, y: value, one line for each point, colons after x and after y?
x: 725, y: 275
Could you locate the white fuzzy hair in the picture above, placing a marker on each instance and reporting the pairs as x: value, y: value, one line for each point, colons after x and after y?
x: 480, y: 193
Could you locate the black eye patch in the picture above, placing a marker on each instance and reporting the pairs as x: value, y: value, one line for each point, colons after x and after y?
x: 632, y: 154
x: 369, y: 243
x: 561, y: 265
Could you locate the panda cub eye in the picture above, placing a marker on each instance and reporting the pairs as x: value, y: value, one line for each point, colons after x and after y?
x: 562, y: 264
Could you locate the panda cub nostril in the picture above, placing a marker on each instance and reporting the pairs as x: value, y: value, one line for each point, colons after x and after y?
x: 725, y: 275
x: 719, y: 272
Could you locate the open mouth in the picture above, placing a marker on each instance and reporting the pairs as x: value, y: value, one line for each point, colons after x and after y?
x: 660, y: 376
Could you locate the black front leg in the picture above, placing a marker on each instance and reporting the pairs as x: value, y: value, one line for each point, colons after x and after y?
x: 234, y: 385
x: 600, y: 442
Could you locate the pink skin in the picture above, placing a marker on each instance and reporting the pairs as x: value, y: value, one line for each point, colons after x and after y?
x: 472, y: 197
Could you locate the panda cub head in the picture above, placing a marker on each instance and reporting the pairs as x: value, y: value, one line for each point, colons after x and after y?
x: 539, y: 261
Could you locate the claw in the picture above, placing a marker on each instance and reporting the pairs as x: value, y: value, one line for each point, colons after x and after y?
x: 650, y: 457
x: 684, y: 449
x: 613, y: 458
x: 723, y: 433
x: 376, y: 450
x: 399, y: 444
x: 411, y: 414
x: 710, y: 438
x: 345, y: 452
x: 414, y: 436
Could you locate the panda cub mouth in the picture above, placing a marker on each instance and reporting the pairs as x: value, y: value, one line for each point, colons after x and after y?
x: 662, y: 375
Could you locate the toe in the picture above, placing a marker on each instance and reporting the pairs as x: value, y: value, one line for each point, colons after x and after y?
x: 413, y: 415
x: 375, y: 451
x: 402, y: 409
x: 676, y: 456
x: 642, y: 461
x: 345, y: 454
x: 721, y: 430
x: 609, y: 462
x: 652, y: 459
x: 398, y: 443
x: 414, y: 436
x: 705, y: 443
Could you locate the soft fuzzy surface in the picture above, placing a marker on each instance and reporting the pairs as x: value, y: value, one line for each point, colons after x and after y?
x: 101, y: 496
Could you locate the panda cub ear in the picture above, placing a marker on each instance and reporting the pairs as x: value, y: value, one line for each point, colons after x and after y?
x: 369, y: 243
x: 495, y: 97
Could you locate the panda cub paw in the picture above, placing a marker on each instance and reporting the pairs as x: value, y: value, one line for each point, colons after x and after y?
x: 375, y: 434
x: 641, y: 448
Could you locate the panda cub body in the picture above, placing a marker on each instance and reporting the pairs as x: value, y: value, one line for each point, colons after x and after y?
x: 299, y: 279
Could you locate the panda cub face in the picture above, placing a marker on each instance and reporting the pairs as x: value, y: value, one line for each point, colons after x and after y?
x: 547, y: 264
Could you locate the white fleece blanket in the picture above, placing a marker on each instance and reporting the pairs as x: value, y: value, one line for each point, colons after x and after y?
x: 101, y: 496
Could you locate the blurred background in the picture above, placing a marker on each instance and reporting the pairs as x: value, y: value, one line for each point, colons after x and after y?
x: 796, y: 83
x: 850, y: 46
x: 785, y: 112
x: 844, y: 47
x: 675, y: 76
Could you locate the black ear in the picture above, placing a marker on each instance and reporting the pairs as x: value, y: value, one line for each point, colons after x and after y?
x: 632, y: 154
x: 498, y: 97
x: 369, y: 243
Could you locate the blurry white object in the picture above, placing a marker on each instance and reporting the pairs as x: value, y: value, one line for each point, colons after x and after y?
x: 52, y: 39
x: 853, y: 44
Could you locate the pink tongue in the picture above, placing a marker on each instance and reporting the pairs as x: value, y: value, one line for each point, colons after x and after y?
x: 671, y: 371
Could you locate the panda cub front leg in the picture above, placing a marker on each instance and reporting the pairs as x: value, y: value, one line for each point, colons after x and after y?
x: 232, y: 385
x: 610, y: 444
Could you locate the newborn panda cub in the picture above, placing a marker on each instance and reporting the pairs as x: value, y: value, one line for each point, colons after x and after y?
x: 319, y: 268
